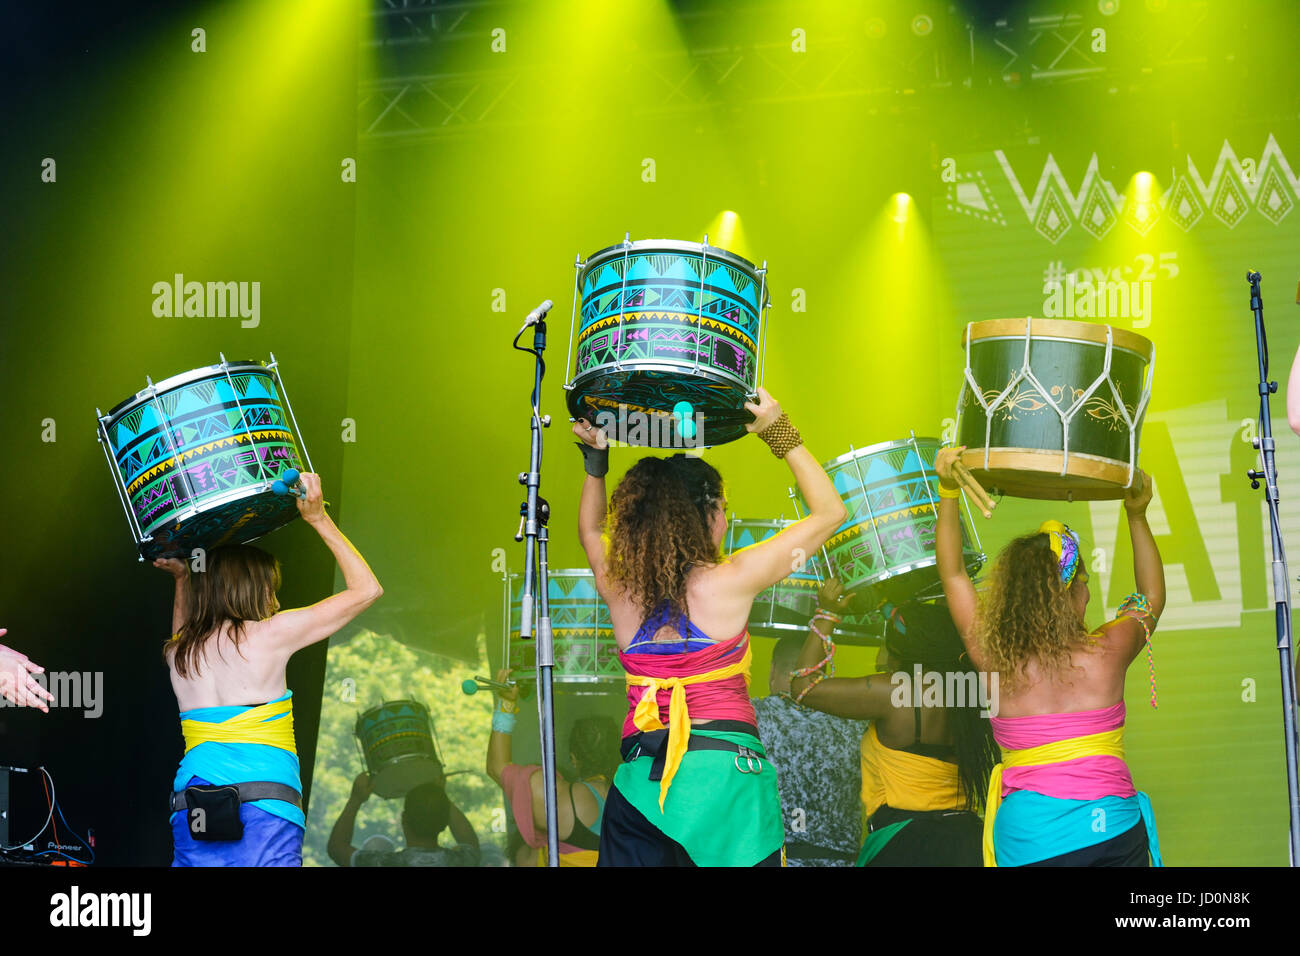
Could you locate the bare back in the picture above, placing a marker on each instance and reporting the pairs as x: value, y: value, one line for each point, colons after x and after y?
x: 715, y: 605
x: 1093, y: 680
x: 254, y: 673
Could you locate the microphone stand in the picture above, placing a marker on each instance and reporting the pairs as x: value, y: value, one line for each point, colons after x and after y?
x: 1281, y: 576
x: 534, y: 513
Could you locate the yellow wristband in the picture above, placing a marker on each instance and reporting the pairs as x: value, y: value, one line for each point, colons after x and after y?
x: 948, y: 493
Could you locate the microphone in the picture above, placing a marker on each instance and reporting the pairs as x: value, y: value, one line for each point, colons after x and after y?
x: 287, y: 484
x: 538, y: 313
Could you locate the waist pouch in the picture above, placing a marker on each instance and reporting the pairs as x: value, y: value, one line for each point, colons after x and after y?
x: 212, y: 810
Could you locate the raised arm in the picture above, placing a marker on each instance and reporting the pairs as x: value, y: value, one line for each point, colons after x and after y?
x: 298, y: 628
x: 340, y: 846
x: 957, y: 585
x: 503, y: 717
x: 761, y: 565
x: 1148, y: 574
x: 180, y: 572
x: 855, y: 698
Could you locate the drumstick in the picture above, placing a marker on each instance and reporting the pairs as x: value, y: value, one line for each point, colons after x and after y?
x: 974, y: 489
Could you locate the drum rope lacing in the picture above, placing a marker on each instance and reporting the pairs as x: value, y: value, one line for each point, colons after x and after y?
x: 1026, y: 374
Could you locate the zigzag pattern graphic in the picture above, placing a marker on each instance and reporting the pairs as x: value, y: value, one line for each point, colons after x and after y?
x: 628, y: 318
x: 1230, y: 193
x: 232, y: 440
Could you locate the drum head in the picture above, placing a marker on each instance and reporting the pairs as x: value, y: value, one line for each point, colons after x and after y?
x: 238, y: 521
x: 648, y: 406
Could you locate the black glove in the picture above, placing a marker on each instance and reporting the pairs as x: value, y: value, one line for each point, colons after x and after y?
x: 595, y: 460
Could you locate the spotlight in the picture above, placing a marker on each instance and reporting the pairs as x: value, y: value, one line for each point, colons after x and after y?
x: 922, y: 25
x: 902, y: 203
x: 1108, y: 8
x: 875, y: 28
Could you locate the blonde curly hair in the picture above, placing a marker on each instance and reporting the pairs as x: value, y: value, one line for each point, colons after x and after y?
x: 1027, y: 614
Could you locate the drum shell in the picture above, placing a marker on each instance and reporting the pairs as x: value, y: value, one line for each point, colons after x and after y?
x: 787, y: 607
x: 1024, y: 436
x: 891, y: 557
x: 664, y: 322
x: 585, y: 648
x: 396, y: 742
x: 230, y: 429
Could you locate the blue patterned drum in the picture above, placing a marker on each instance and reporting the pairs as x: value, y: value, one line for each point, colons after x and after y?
x: 585, y: 649
x: 884, y: 551
x: 673, y: 331
x: 788, y: 606
x: 194, y: 458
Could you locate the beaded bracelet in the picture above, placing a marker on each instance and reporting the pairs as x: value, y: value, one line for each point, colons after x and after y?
x: 781, y: 436
x: 1139, y: 603
x: 826, y: 665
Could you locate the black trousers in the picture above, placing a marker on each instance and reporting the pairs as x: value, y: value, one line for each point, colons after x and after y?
x: 1128, y: 849
x: 931, y: 838
x: 627, y: 838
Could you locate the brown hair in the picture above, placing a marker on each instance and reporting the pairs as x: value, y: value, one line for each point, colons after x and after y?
x: 659, y: 529
x: 1027, y: 614
x: 238, y: 586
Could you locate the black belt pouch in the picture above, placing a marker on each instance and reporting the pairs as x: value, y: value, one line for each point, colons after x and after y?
x: 212, y: 814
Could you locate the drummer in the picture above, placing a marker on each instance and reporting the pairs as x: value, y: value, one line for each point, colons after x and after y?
x: 593, y: 751
x: 925, y: 765
x: 230, y: 646
x: 1061, y: 689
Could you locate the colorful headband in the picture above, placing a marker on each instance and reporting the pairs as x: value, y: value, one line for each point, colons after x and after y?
x: 1065, y: 545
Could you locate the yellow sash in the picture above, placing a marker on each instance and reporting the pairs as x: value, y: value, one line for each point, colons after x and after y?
x: 576, y: 858
x: 1108, y: 743
x: 256, y: 725
x: 646, y: 715
x: 905, y: 781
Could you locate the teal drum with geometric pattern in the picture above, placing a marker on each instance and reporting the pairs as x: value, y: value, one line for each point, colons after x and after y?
x: 396, y: 740
x: 788, y: 606
x: 884, y: 551
x: 194, y: 458
x: 585, y: 649
x: 673, y: 331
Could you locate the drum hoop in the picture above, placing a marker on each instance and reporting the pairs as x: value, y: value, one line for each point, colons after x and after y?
x: 879, y: 447
x: 601, y: 256
x: 1063, y: 330
x: 176, y: 381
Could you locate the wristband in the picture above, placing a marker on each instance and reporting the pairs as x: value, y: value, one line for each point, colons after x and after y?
x: 594, y: 460
x: 948, y: 492
x: 503, y: 723
x: 781, y: 436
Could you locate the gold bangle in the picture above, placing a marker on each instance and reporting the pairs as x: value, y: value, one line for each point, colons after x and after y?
x: 948, y: 492
x: 781, y: 436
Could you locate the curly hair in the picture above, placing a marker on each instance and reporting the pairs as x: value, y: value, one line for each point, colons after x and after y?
x: 1027, y: 614
x: 659, y: 529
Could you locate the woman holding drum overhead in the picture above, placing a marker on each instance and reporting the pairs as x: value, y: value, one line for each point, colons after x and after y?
x: 925, y: 768
x: 1063, y: 795
x: 237, y: 795
x: 695, y: 787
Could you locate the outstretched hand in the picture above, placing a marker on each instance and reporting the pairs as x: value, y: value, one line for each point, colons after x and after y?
x: 17, y: 685
x: 944, y: 464
x: 312, y: 505
x: 589, y: 434
x: 173, y: 566
x: 1139, y: 495
x: 765, y: 411
x: 831, y: 596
